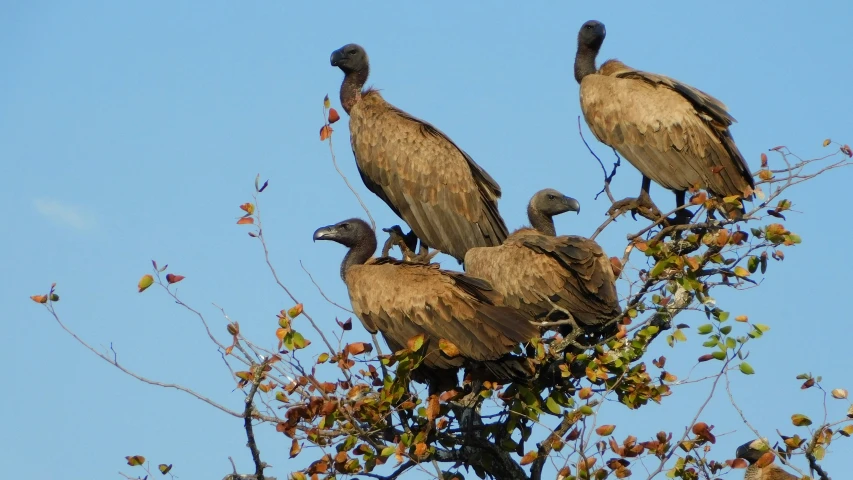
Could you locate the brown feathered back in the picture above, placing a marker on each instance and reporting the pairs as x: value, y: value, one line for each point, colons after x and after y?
x: 532, y: 270
x: 770, y: 472
x: 672, y: 133
x: 448, y: 200
x: 402, y: 300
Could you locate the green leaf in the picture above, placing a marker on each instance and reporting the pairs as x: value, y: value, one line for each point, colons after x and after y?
x: 731, y: 343
x: 723, y: 316
x: 746, y: 368
x: 719, y: 355
x: 725, y: 330
x: 705, y: 329
x: 761, y: 327
x: 752, y: 264
x: 679, y: 335
x: 552, y: 406
x: 800, y: 420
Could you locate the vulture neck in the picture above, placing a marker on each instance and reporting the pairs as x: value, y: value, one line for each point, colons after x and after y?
x: 358, y: 254
x: 351, y: 87
x: 541, y: 222
x: 585, y: 62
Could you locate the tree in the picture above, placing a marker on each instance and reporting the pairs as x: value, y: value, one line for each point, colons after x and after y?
x: 342, y: 393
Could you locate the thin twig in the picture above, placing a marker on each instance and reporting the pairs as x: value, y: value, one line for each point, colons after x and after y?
x: 323, y: 294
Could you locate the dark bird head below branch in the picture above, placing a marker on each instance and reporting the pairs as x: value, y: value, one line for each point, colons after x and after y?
x: 751, y: 451
x: 355, y: 234
x: 350, y: 58
x: 547, y: 203
x: 590, y: 38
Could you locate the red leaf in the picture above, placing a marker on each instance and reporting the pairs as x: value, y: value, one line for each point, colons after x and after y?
x: 763, y: 160
x: 347, y: 325
x: 333, y: 115
x: 172, y: 278
x: 246, y: 221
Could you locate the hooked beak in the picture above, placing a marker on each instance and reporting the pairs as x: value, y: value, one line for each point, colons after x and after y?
x: 337, y: 57
x: 742, y: 450
x: 572, y: 204
x: 324, y: 233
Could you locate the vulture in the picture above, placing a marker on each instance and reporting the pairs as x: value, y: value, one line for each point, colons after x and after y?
x: 672, y: 133
x: 537, y: 271
x: 751, y: 452
x: 402, y: 299
x: 448, y: 201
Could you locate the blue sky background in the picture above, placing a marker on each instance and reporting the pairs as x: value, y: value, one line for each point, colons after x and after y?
x: 132, y: 131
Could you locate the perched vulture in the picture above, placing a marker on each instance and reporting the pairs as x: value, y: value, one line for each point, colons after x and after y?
x: 536, y: 270
x: 751, y: 452
x: 402, y: 300
x: 672, y: 133
x: 449, y: 201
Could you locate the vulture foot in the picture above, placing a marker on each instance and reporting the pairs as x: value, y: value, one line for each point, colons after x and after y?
x: 405, y: 242
x: 642, y: 205
x: 424, y: 255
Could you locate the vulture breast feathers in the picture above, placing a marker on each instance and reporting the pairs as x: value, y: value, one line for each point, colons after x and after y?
x: 536, y: 270
x: 448, y: 200
x: 672, y: 133
x: 402, y: 300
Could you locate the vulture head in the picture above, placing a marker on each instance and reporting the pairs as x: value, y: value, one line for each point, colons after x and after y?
x: 753, y: 450
x: 547, y: 203
x: 350, y: 58
x: 355, y: 234
x: 590, y: 38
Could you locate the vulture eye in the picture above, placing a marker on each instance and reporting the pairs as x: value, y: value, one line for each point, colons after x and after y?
x: 345, y: 226
x: 551, y: 197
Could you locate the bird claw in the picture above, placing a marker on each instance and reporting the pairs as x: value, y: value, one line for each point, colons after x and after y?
x: 640, y: 205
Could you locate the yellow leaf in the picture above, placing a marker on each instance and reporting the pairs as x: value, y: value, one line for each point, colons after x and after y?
x: 295, y: 448
x: 295, y: 311
x: 164, y: 469
x: 741, y: 318
x: 135, y: 460
x: 326, y: 102
x: 415, y: 343
x: 448, y: 348
x: 839, y: 393
x: 145, y: 282
x: 827, y: 142
x: 248, y: 208
x: 741, y: 272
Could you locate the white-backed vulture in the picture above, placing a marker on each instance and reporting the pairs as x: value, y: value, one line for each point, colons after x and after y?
x: 752, y: 451
x: 672, y: 133
x: 448, y: 201
x: 402, y: 300
x: 537, y: 271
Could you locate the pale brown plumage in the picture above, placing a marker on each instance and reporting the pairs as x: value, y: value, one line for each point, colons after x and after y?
x: 672, y: 133
x: 402, y: 300
x: 536, y: 270
x: 752, y: 451
x: 448, y: 200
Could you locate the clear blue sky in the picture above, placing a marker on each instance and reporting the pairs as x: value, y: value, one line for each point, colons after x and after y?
x: 133, y: 131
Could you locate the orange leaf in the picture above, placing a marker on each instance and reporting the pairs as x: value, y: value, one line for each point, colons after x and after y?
x: 246, y: 221
x: 333, y: 115
x: 325, y: 132
x: 39, y: 298
x: 248, y: 208
x: 605, y: 430
x: 585, y: 393
x: 699, y: 198
x: 765, y: 459
x: 616, y: 266
x: 295, y: 448
x: 741, y: 318
x: 228, y: 349
x: 135, y: 460
x: 359, y: 347
x: 763, y: 160
x: 172, y: 278
x: 702, y: 430
x: 738, y: 463
x: 145, y: 282
x: 420, y: 449
x: 765, y: 174
x: 433, y: 407
x: 528, y: 458
x: 448, y: 348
